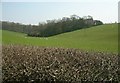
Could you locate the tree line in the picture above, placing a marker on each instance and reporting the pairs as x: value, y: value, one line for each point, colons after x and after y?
x: 53, y: 27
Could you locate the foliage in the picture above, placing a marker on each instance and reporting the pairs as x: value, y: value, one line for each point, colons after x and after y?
x: 16, y: 27
x: 35, y: 64
x: 52, y: 27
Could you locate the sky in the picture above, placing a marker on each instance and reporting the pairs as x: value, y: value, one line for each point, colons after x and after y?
x: 34, y: 11
x: 119, y: 12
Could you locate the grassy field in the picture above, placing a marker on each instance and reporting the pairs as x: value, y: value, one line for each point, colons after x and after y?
x: 98, y: 38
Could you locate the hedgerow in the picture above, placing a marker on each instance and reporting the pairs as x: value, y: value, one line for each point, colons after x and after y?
x: 36, y: 64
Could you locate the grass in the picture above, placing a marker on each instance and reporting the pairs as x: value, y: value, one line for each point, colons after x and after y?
x: 98, y: 38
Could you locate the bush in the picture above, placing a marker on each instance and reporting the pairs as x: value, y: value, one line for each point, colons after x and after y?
x: 36, y: 64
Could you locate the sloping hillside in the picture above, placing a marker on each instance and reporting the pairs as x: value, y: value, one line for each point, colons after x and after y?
x: 98, y: 38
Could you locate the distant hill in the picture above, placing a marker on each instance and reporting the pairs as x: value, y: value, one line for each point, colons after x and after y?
x: 98, y: 38
x: 53, y: 27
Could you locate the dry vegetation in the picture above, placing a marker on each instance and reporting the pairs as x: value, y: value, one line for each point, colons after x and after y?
x: 35, y: 64
x: 0, y: 63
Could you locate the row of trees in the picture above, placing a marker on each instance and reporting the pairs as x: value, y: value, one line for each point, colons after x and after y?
x: 53, y: 27
x: 16, y: 27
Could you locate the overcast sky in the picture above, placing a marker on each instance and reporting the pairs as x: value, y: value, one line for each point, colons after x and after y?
x: 35, y: 11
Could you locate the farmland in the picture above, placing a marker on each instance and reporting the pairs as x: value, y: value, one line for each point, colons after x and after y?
x: 98, y: 38
x: 62, y: 41
x: 83, y: 55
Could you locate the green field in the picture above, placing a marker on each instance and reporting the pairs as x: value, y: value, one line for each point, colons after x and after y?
x: 98, y: 38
